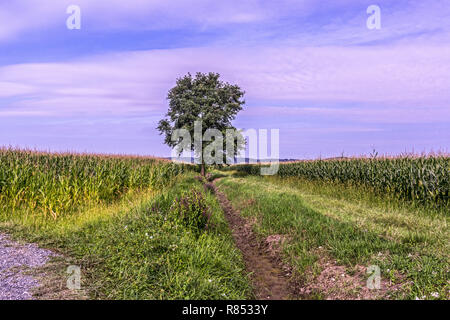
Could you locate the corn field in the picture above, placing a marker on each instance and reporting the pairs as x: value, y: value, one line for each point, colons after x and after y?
x: 53, y: 184
x: 423, y: 179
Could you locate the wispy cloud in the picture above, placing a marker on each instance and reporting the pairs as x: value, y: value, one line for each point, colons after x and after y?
x: 309, y: 22
x: 20, y: 16
x: 396, y: 76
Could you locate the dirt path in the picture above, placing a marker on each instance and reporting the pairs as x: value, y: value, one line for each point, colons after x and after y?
x: 270, y: 279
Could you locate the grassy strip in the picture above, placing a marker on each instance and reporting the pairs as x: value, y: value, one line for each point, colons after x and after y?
x: 137, y: 249
x: 350, y: 224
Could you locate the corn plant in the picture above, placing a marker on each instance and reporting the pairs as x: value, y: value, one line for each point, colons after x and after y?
x: 422, y: 179
x: 53, y: 184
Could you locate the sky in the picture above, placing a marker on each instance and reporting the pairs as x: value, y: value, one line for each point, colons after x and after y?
x: 312, y: 69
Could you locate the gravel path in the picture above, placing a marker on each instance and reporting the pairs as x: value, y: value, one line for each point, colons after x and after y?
x: 15, y: 259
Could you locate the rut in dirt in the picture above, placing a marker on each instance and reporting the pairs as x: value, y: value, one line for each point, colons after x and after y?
x: 269, y: 277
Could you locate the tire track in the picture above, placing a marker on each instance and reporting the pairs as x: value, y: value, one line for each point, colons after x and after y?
x: 269, y: 277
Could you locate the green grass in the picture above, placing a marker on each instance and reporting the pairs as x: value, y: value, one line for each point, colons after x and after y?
x: 351, y: 224
x: 136, y: 248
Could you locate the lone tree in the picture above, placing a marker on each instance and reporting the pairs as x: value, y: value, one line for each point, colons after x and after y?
x: 211, y: 102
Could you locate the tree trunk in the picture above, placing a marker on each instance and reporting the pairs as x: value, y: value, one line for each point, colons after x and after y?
x: 202, y: 170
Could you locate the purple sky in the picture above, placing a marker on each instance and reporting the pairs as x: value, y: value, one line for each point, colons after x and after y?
x: 309, y: 68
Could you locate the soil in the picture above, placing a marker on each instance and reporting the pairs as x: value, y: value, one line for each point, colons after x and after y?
x: 271, y: 279
x: 335, y: 283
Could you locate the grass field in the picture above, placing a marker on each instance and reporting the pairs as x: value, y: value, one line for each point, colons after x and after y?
x: 146, y: 228
x: 321, y: 221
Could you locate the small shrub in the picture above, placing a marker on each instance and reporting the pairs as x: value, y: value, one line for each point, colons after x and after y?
x: 191, y: 210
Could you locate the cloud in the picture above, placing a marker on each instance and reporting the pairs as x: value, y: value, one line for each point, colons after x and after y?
x: 18, y: 16
x: 10, y: 89
x: 305, y: 21
x: 132, y: 83
x: 310, y: 68
x: 364, y: 114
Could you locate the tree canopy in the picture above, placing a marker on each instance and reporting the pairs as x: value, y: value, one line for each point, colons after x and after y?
x: 208, y: 100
